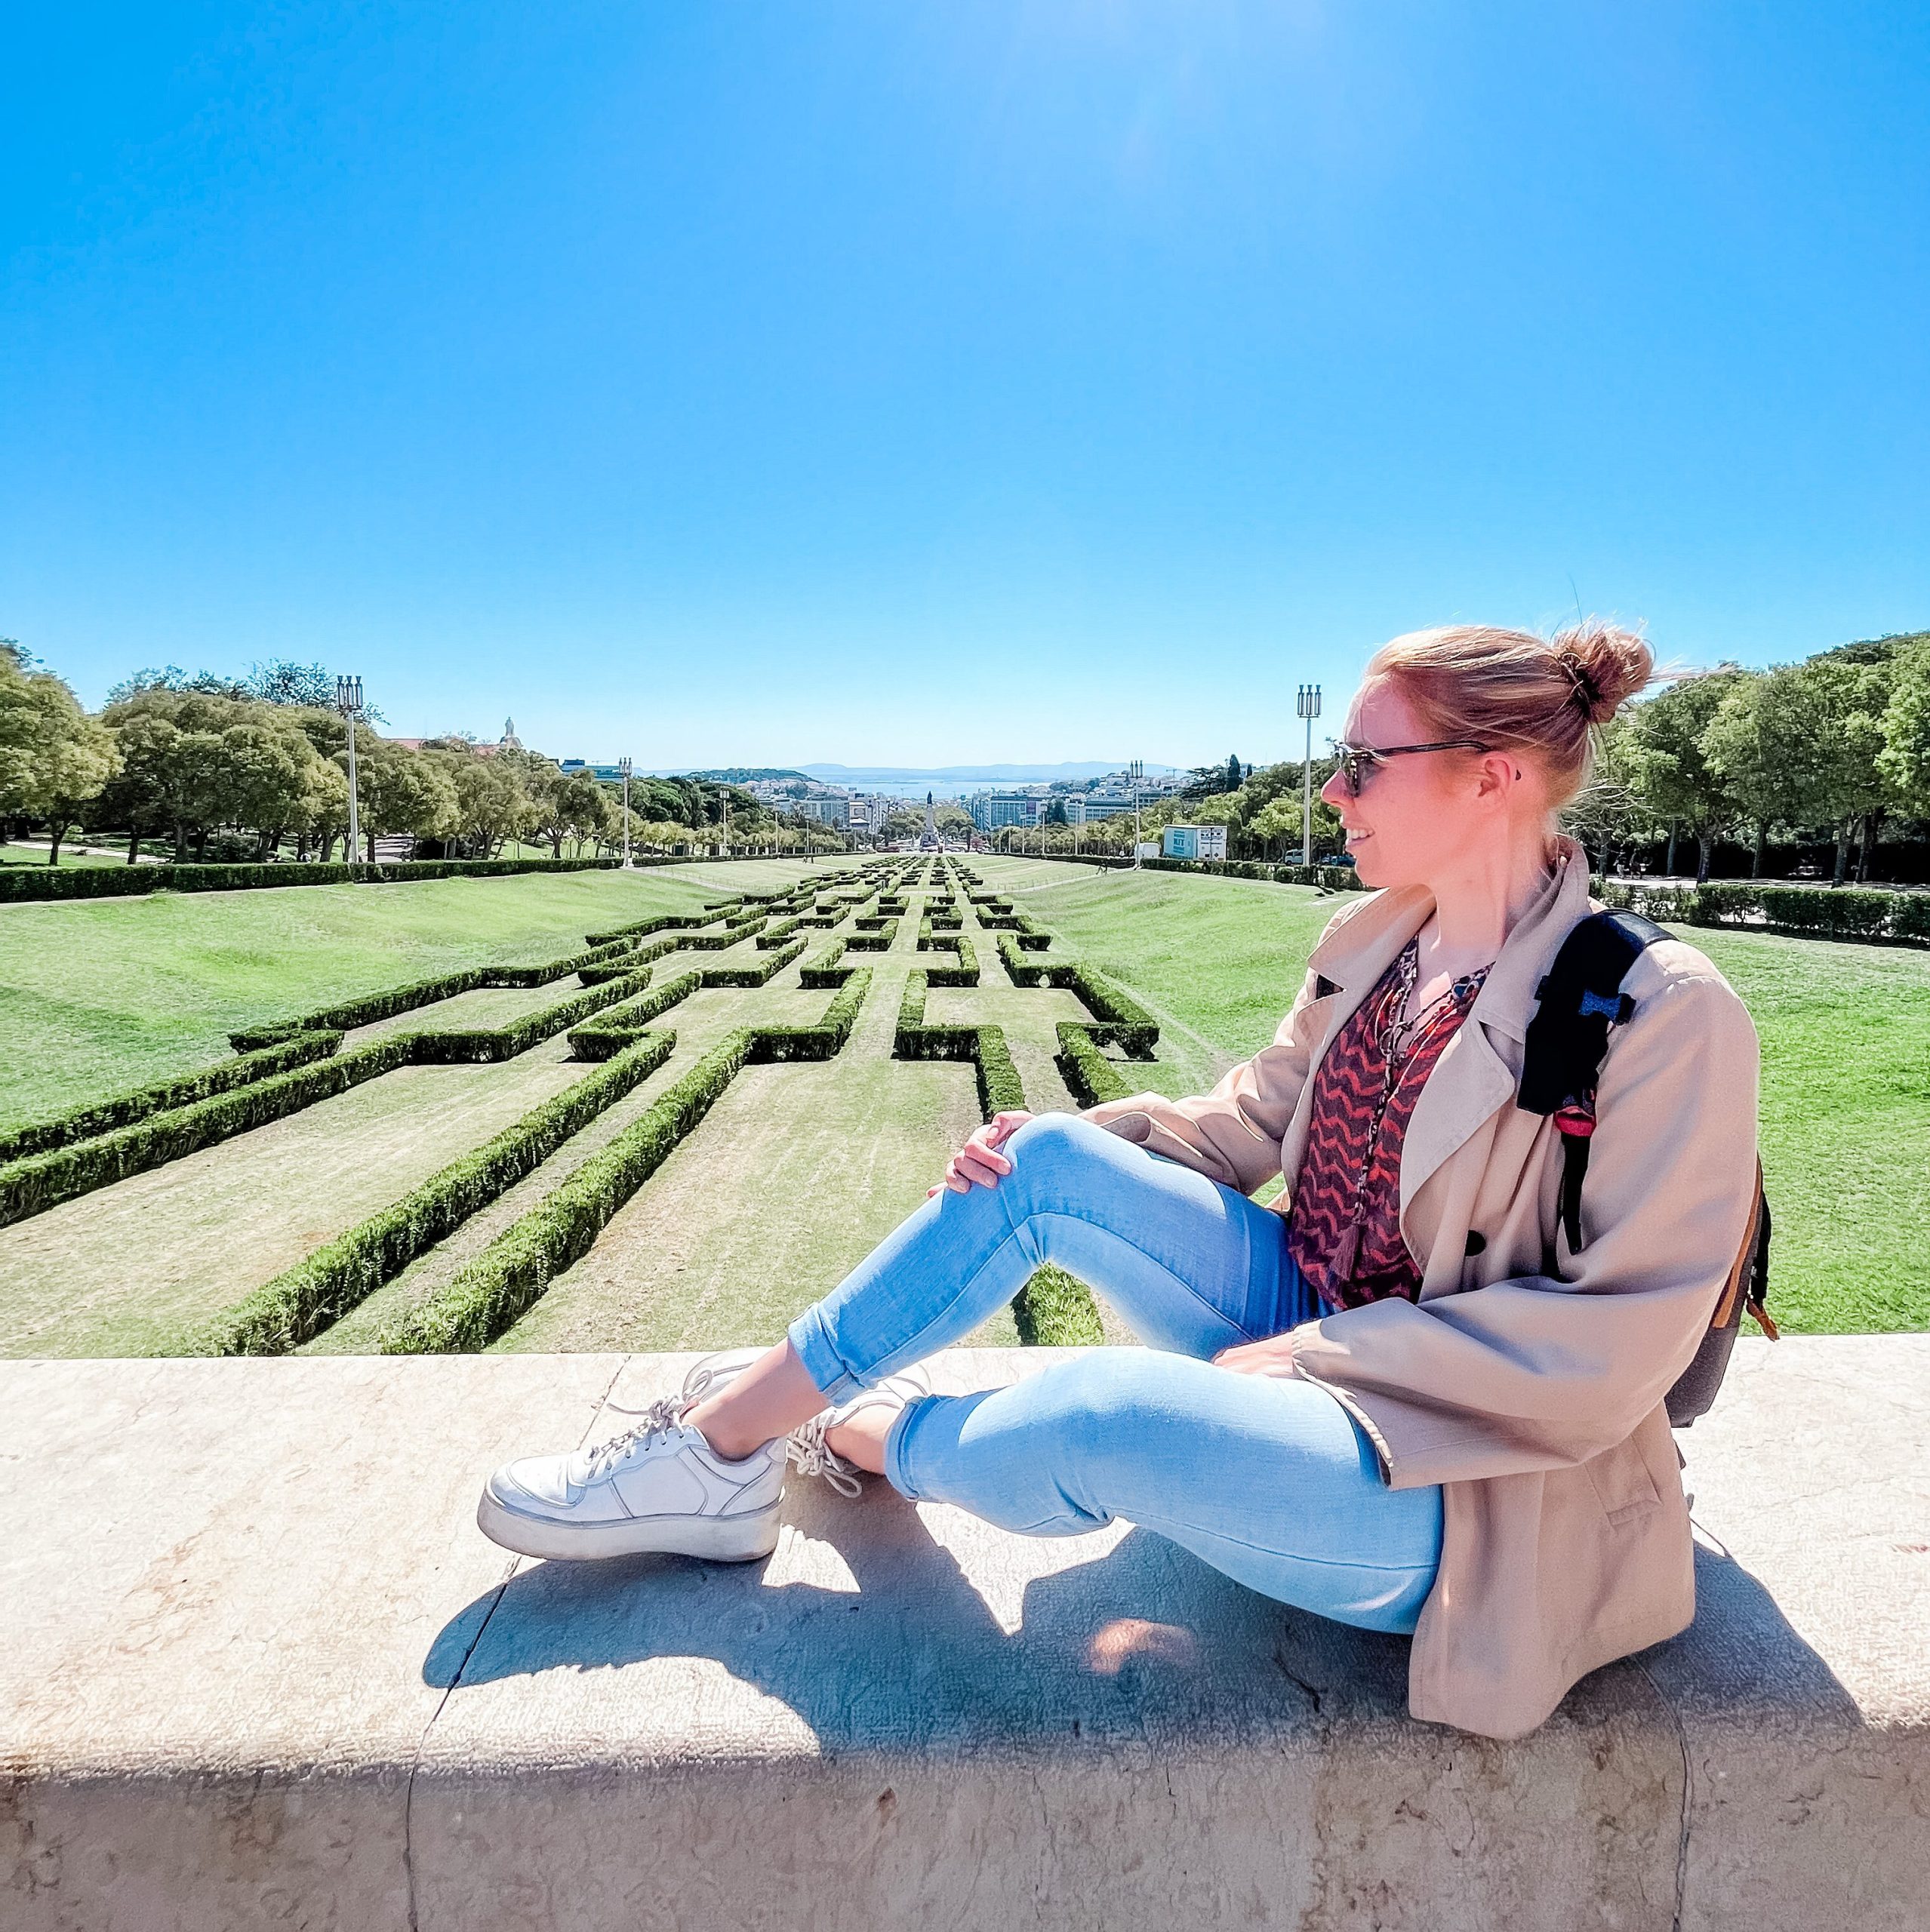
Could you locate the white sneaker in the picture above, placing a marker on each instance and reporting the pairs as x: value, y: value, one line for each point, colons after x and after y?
x: 812, y: 1455
x: 658, y: 1486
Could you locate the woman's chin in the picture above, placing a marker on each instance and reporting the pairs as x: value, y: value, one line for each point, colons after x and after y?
x: 1366, y: 860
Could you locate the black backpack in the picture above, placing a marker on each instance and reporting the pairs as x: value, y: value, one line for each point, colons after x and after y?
x: 1580, y: 999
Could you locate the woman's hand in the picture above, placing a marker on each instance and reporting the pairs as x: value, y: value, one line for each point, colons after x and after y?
x: 979, y: 1160
x: 1273, y: 1356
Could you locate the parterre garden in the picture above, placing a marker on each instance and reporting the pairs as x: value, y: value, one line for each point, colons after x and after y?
x: 448, y: 1121
x: 679, y: 1129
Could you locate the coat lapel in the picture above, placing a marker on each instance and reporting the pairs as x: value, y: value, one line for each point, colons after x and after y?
x: 1480, y: 1069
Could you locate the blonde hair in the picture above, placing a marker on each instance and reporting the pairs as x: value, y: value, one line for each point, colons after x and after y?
x: 1544, y: 698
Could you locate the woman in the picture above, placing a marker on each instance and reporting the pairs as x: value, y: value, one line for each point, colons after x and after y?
x: 1401, y: 1402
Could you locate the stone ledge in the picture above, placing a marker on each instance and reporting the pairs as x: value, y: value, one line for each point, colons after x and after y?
x: 262, y: 1669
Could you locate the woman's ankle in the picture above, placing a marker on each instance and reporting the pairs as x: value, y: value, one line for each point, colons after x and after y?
x: 860, y: 1438
x: 769, y: 1399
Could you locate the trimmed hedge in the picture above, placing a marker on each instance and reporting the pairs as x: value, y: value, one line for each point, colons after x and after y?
x: 984, y: 1046
x: 495, y: 1290
x: 18, y: 885
x: 615, y: 1029
x: 1056, y: 1310
x: 1126, y: 1023
x: 363, y: 1012
x: 104, y: 1116
x: 1024, y: 972
x: 879, y: 941
x: 663, y: 922
x: 964, y: 973
x: 823, y: 969
x: 1854, y: 913
x: 481, y: 1045
x: 758, y: 975
x: 825, y: 1039
x: 775, y: 935
x: 487, y: 1298
x: 1089, y: 1076
x: 558, y: 969
x: 41, y: 1181
x: 303, y: 1300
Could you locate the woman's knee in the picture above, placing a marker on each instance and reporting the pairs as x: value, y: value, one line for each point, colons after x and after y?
x: 1049, y: 1141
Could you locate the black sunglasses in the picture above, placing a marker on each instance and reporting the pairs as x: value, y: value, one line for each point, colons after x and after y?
x: 1356, y: 761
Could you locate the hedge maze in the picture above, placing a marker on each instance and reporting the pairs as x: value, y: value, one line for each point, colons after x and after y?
x: 659, y: 1019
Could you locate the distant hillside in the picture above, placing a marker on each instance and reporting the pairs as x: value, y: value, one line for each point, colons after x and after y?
x: 982, y: 774
x: 743, y: 774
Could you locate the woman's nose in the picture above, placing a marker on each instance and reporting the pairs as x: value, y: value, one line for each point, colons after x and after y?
x: 1335, y: 791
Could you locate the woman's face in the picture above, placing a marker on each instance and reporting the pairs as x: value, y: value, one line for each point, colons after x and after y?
x: 1416, y: 816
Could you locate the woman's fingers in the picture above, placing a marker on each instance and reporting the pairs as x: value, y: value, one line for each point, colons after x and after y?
x: 978, y: 1163
x: 1273, y: 1356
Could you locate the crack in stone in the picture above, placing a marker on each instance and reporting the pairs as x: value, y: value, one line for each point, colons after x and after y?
x: 456, y: 1679
x: 1687, y: 1793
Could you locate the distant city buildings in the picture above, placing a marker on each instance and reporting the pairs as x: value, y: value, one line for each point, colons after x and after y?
x: 1102, y: 799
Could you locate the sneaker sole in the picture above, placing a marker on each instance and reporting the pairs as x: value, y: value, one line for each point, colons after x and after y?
x: 721, y: 1538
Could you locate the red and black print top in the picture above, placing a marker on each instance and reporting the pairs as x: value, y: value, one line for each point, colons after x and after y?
x: 1345, y: 1231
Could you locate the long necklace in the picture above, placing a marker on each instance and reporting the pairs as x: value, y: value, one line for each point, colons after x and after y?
x: 1396, y: 1038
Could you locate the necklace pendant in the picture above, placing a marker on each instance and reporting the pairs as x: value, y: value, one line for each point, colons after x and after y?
x: 1347, y: 1252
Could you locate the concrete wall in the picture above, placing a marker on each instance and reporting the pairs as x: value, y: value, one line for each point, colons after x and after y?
x: 262, y: 1670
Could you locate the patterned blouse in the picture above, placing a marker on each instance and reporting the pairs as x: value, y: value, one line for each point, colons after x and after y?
x: 1344, y: 1231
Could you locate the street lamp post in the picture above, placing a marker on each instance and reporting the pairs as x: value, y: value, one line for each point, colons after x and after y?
x: 623, y: 764
x: 348, y: 702
x: 1138, y: 772
x: 1308, y: 704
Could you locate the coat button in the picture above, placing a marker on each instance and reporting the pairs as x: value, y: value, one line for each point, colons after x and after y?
x: 1475, y: 1243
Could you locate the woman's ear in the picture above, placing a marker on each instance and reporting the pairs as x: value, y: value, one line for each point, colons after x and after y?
x: 1501, y: 778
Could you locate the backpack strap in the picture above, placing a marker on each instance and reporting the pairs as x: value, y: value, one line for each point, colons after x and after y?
x: 1580, y: 999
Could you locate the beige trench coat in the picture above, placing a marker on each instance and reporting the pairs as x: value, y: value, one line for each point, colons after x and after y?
x: 1536, y: 1402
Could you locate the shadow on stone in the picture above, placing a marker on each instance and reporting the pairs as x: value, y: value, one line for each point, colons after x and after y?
x: 905, y: 1649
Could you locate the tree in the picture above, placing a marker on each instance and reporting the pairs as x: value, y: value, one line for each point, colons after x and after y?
x: 1234, y: 779
x: 1277, y: 825
x: 402, y: 791
x: 283, y: 681
x: 1761, y: 743
x: 1905, y: 758
x: 1671, y: 776
x: 1848, y: 700
x: 324, y: 814
x: 1609, y: 807
x: 141, y: 796
x: 53, y: 757
x: 491, y: 804
x: 266, y: 780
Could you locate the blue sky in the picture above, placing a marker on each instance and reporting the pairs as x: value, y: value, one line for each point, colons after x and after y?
x: 916, y: 382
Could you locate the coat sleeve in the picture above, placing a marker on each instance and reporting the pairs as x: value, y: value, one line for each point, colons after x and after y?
x: 1535, y: 1372
x: 1232, y: 1134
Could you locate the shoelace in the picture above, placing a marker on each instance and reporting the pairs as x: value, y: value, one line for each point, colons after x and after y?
x: 807, y: 1451
x: 664, y: 1416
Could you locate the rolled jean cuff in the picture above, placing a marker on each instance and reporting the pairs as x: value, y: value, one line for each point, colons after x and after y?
x: 822, y: 1362
x: 896, y: 1471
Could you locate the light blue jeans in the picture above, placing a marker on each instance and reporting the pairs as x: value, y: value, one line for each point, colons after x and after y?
x: 1268, y: 1479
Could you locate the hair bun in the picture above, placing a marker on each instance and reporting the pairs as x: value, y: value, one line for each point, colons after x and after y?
x: 1607, y: 665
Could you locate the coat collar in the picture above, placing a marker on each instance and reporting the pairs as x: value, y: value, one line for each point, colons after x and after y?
x: 1472, y: 1079
x: 1354, y: 953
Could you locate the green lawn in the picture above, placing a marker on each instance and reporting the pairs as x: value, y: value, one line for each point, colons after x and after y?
x: 101, y: 995
x: 1845, y: 1033
x: 96, y: 998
